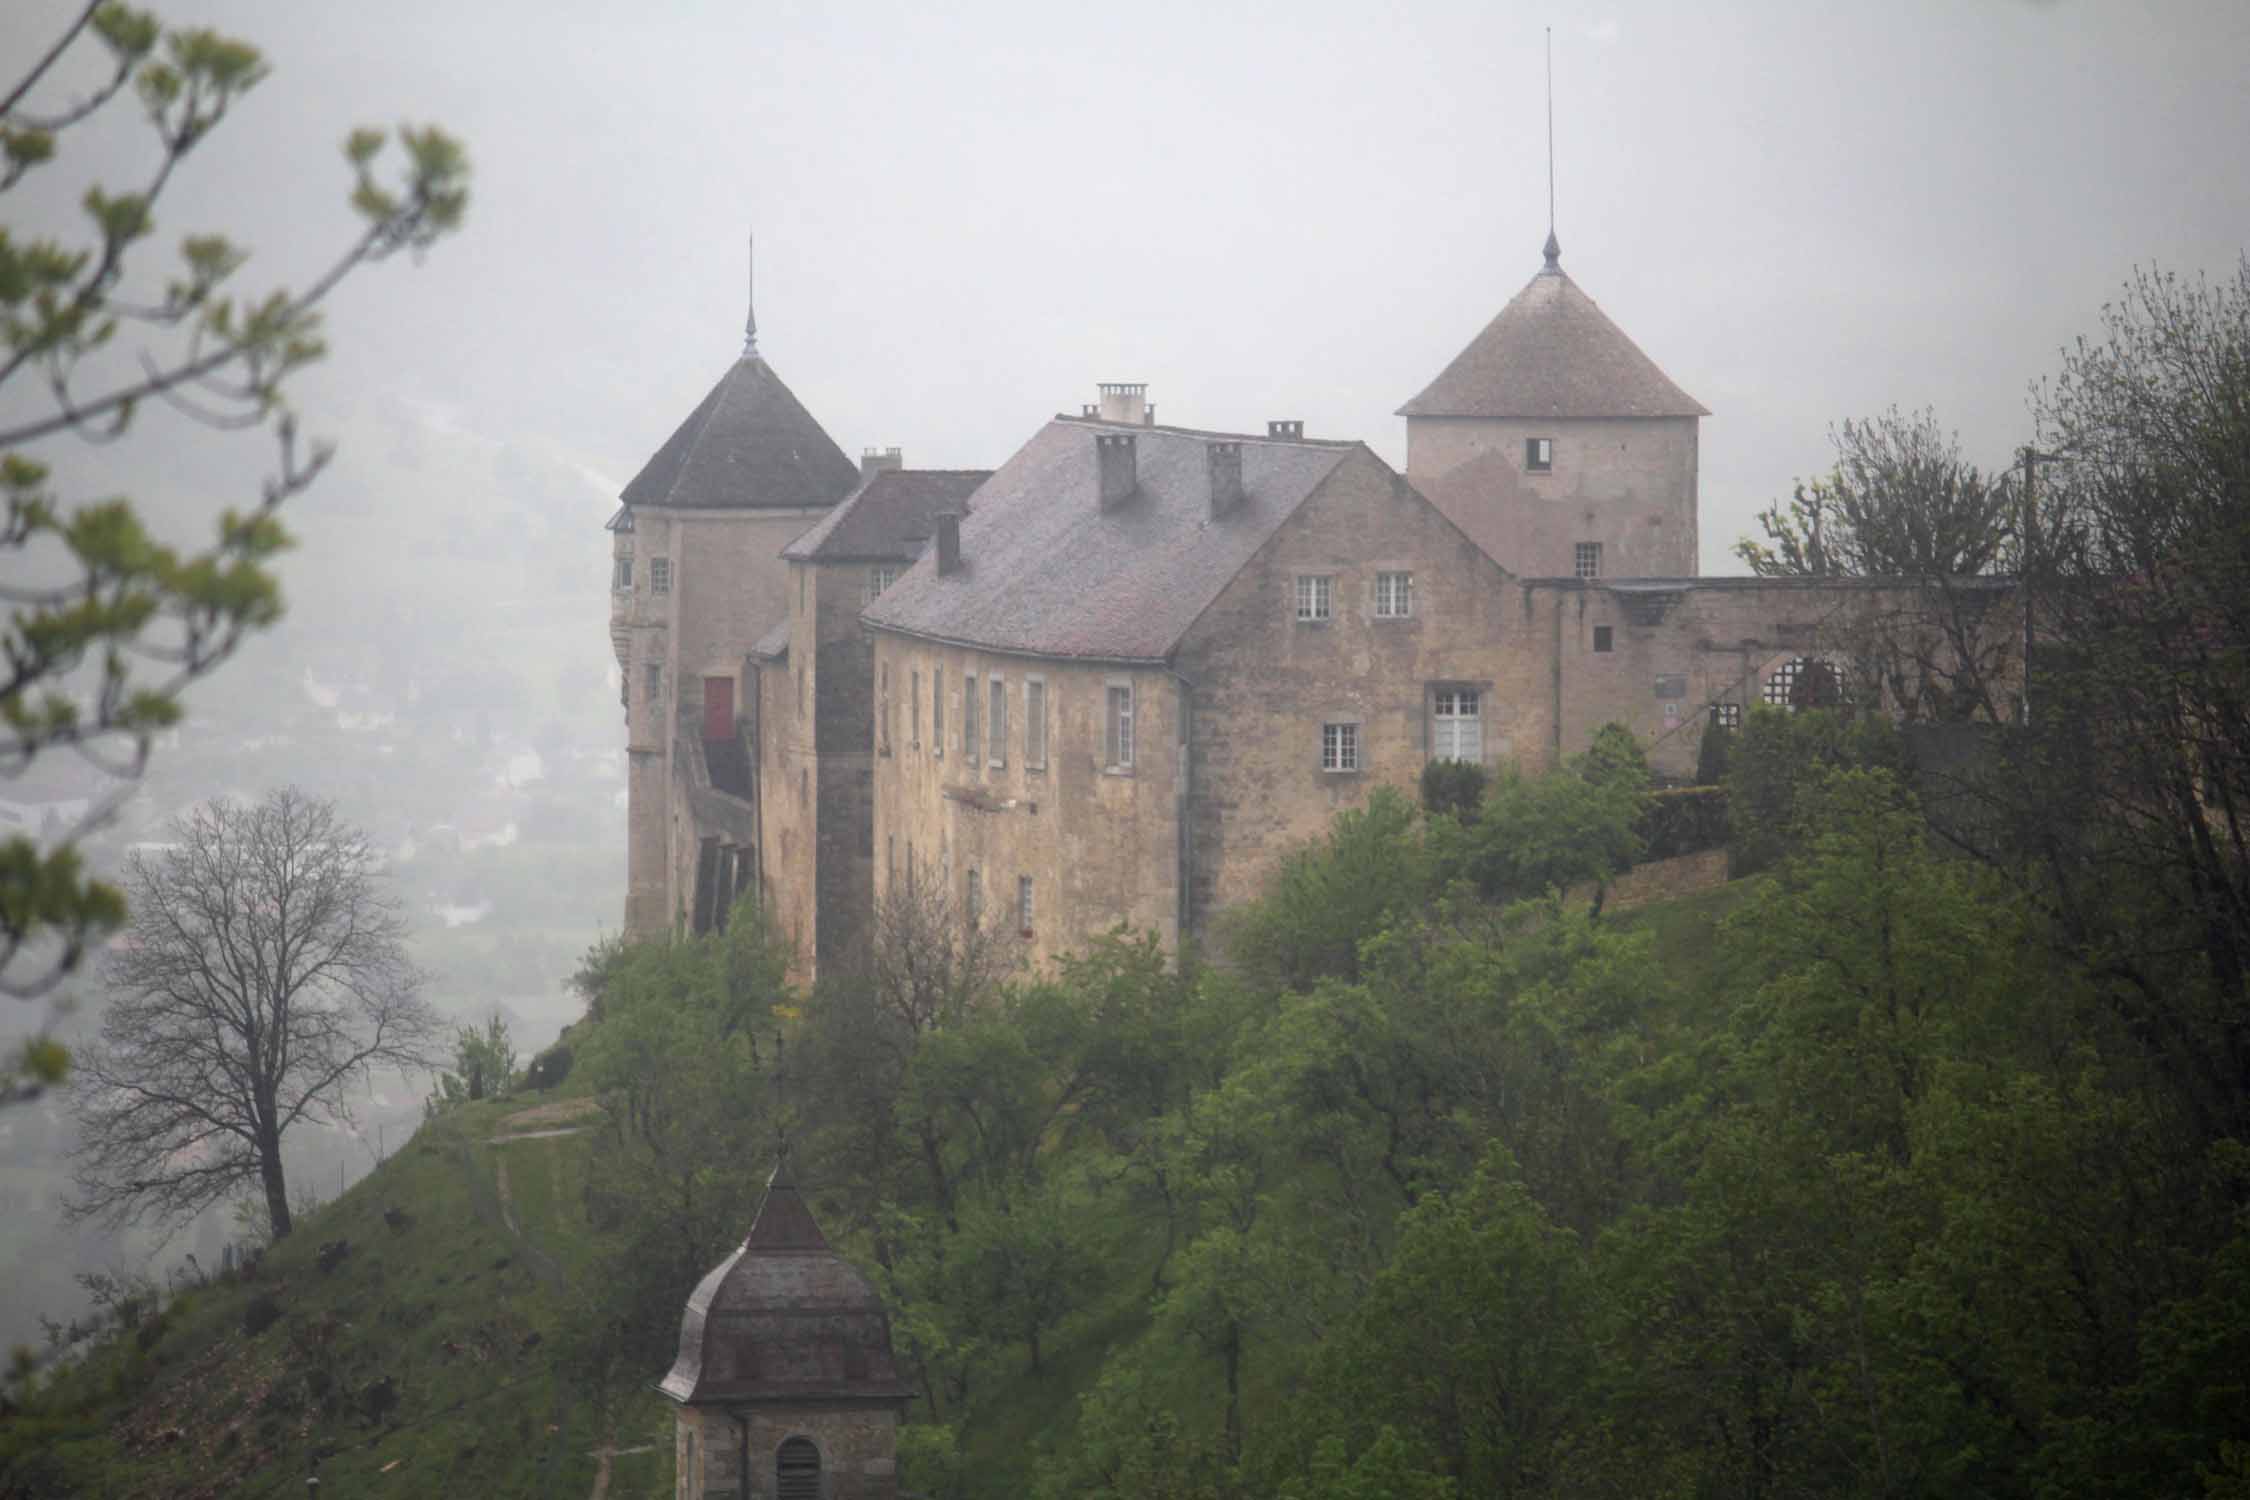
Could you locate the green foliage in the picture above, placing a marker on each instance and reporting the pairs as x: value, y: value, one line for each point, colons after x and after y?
x: 1330, y: 896
x: 1712, y: 752
x: 1781, y: 751
x: 107, y: 625
x: 484, y: 1066
x: 1683, y: 820
x: 548, y: 1068
x: 1453, y: 787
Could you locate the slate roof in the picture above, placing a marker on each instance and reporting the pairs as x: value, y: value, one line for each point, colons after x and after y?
x: 1552, y: 353
x: 774, y: 644
x: 749, y: 445
x: 785, y: 1318
x: 887, y: 518
x: 1045, y: 571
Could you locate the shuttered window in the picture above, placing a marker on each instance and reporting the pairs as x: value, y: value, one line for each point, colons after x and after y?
x: 937, y: 711
x: 996, y: 726
x: 796, y: 1470
x: 1457, y: 725
x: 1035, y: 724
x: 969, y: 720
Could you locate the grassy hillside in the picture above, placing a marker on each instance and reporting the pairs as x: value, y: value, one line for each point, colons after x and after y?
x: 422, y: 1362
x: 426, y: 1360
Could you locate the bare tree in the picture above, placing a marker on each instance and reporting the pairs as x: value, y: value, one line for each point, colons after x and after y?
x: 262, y: 975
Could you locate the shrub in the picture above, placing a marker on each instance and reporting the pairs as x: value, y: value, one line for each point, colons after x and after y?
x: 1685, y: 820
x: 261, y: 1313
x: 549, y: 1068
x: 1453, y: 786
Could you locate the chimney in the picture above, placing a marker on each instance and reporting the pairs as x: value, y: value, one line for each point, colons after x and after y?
x: 1125, y: 402
x: 1118, y: 467
x: 874, y: 461
x: 1285, y: 429
x: 1226, y: 477
x: 948, y: 542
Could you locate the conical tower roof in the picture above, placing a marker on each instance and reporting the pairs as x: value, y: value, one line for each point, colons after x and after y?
x: 1552, y: 353
x: 785, y: 1319
x: 749, y: 445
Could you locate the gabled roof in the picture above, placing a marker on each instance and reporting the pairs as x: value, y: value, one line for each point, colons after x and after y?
x: 1552, y: 353
x: 774, y: 644
x: 749, y: 445
x: 1046, y: 571
x: 887, y: 518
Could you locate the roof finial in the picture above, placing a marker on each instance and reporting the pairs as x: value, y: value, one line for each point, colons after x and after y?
x: 750, y: 302
x: 1554, y: 246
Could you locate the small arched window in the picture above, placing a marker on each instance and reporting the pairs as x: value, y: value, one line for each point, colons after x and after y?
x: 796, y: 1470
x: 1804, y: 682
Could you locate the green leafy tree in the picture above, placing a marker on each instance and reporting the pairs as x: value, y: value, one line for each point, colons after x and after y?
x: 484, y: 1065
x: 106, y: 624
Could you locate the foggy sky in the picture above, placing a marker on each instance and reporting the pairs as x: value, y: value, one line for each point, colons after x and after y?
x: 966, y: 215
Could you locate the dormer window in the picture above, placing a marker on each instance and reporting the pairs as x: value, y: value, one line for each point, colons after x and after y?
x: 1538, y: 455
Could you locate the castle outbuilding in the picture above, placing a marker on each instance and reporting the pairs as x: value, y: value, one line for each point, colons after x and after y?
x: 785, y: 1383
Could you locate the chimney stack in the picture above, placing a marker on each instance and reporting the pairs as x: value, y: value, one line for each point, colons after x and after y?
x: 1285, y: 429
x: 1226, y: 477
x: 874, y: 461
x: 948, y: 542
x: 1125, y: 402
x: 1119, y: 466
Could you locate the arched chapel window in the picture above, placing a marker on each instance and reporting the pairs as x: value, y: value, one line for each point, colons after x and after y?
x: 796, y: 1470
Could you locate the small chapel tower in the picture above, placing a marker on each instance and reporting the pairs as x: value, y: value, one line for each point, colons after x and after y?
x: 785, y: 1382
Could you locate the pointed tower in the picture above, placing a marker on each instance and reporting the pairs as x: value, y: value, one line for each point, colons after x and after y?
x: 785, y: 1383
x: 1557, y: 444
x: 696, y: 579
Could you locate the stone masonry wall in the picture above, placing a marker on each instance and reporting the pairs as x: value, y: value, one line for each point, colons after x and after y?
x: 1100, y: 846
x: 1265, y: 683
x: 858, y: 1451
x: 1626, y: 482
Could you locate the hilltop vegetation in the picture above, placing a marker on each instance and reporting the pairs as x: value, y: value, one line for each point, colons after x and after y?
x: 1859, y: 1176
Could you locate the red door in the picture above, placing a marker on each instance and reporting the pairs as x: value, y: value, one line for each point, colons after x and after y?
x: 718, y: 708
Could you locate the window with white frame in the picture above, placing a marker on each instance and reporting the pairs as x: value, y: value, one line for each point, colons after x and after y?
x: 1727, y: 715
x: 1035, y: 724
x: 1394, y: 596
x: 879, y: 578
x: 914, y: 709
x: 996, y: 722
x: 1457, y: 724
x: 1804, y: 682
x: 660, y: 575
x: 622, y: 576
x: 883, y: 693
x: 1023, y: 904
x: 969, y: 735
x: 1117, y: 730
x: 1539, y: 454
x: 937, y: 712
x: 1339, y: 747
x: 1586, y: 559
x: 1315, y: 596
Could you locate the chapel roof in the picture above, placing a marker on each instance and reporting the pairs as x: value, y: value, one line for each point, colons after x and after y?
x: 748, y: 445
x: 785, y: 1319
x: 1046, y: 570
x: 887, y: 518
x: 1551, y: 352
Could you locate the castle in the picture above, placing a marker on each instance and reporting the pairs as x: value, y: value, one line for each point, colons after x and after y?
x: 1116, y: 678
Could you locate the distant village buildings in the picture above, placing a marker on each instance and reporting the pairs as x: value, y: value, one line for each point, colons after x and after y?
x: 1116, y: 678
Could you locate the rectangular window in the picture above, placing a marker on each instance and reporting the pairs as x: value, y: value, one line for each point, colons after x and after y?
x: 622, y: 576
x: 1117, y: 736
x: 1727, y: 715
x: 884, y: 694
x: 1457, y: 725
x: 660, y: 575
x: 1339, y: 747
x: 1313, y: 595
x: 1539, y: 454
x: 914, y: 709
x: 1023, y: 904
x: 653, y: 681
x: 937, y: 712
x: 976, y: 898
x: 1035, y: 724
x: 879, y: 578
x: 1394, y: 595
x: 1601, y: 638
x: 996, y: 723
x: 969, y: 719
x: 1587, y: 559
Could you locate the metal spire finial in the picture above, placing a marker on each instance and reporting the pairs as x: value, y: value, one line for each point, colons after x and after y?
x: 1553, y: 248
x: 750, y: 302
